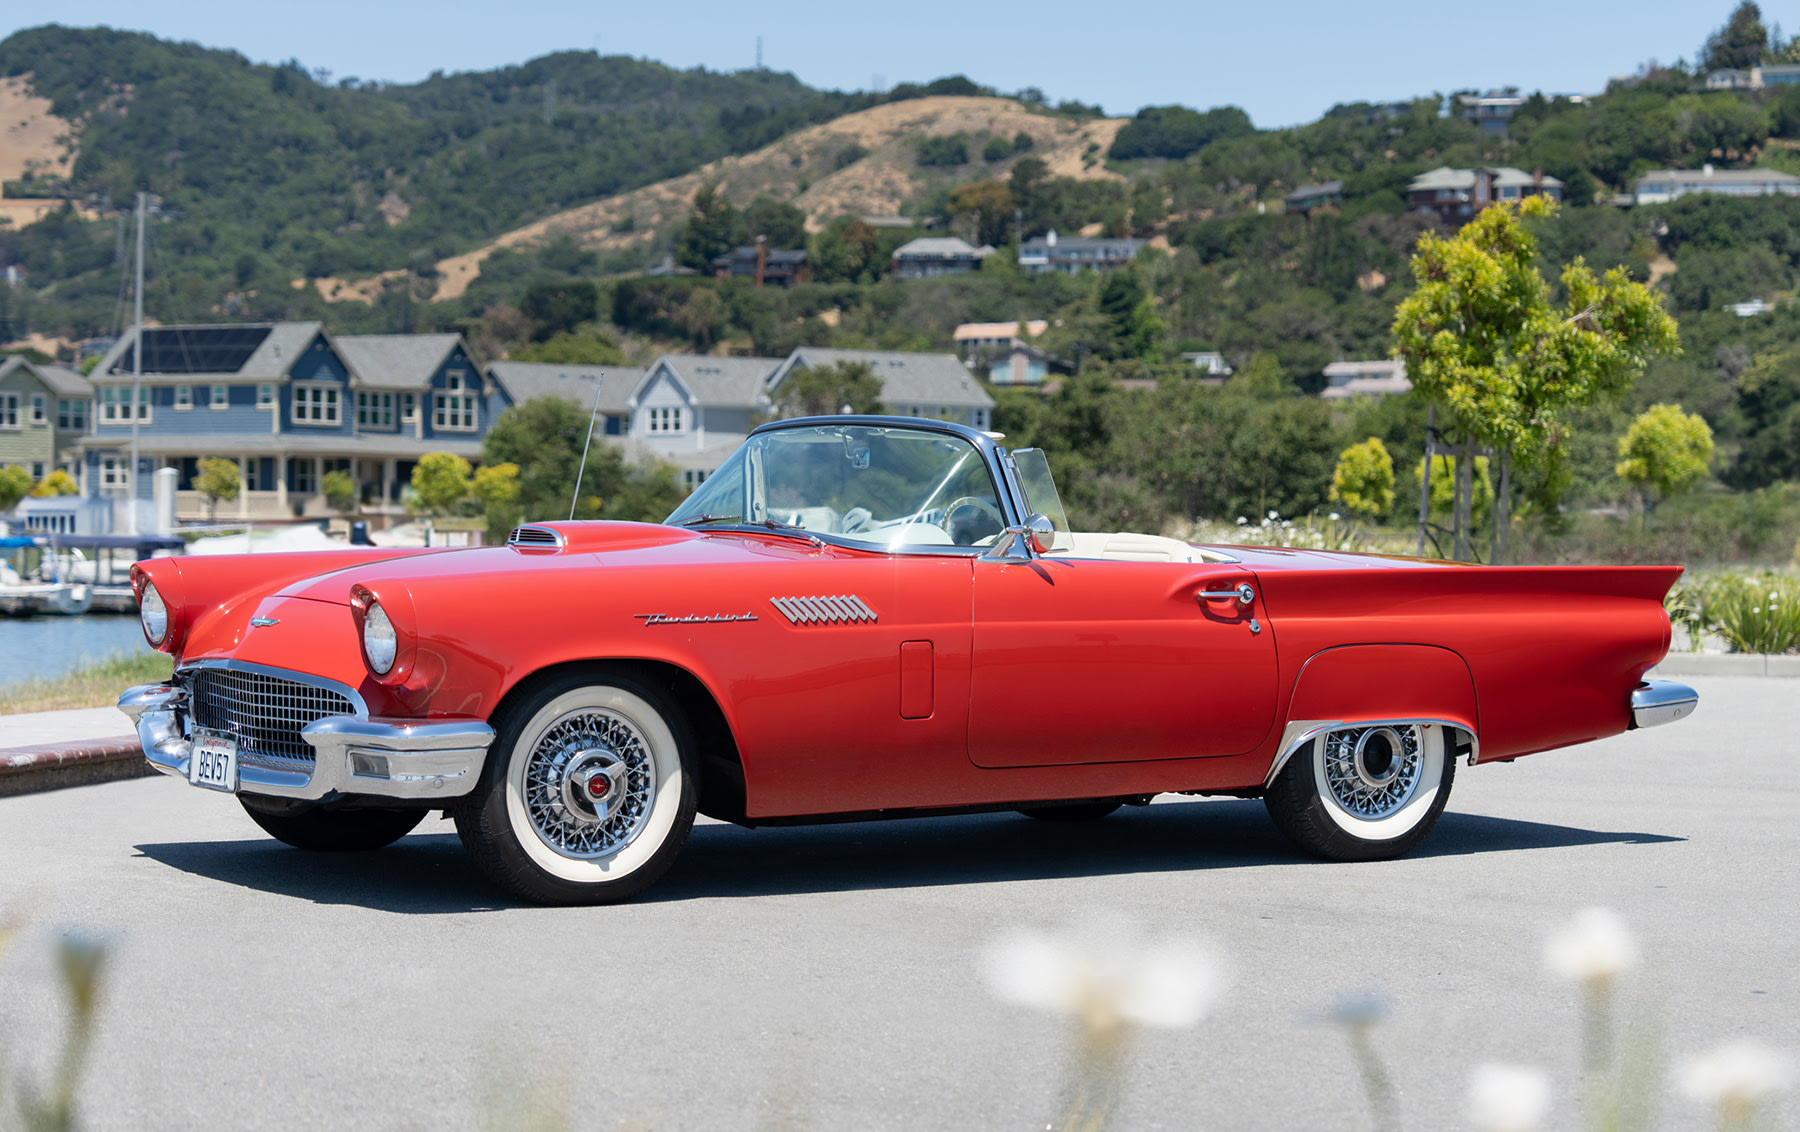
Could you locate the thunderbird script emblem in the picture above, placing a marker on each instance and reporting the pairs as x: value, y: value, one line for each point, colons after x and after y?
x: 650, y: 619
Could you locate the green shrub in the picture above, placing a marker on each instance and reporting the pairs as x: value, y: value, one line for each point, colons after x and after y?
x: 1754, y: 613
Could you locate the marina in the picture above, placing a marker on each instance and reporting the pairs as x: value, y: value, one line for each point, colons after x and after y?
x: 43, y: 648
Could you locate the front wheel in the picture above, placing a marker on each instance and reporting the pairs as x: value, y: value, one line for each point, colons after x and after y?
x: 336, y: 831
x: 1364, y: 793
x: 589, y: 792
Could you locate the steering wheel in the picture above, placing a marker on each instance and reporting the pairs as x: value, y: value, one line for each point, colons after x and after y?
x: 854, y: 520
x: 960, y: 532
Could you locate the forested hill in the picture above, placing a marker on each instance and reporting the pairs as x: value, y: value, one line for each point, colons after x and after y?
x: 278, y: 173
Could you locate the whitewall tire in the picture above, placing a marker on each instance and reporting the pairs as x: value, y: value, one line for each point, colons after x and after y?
x: 1364, y: 793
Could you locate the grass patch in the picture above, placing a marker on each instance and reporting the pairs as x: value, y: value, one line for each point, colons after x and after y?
x: 94, y: 685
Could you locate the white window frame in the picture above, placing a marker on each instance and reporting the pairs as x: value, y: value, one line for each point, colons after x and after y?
x: 265, y: 395
x: 37, y: 470
x: 115, y: 404
x: 664, y: 420
x: 453, y: 412
x: 409, y: 408
x: 306, y: 475
x: 219, y: 399
x: 374, y: 409
x: 184, y: 398
x: 317, y: 404
x: 9, y: 411
x: 73, y: 410
x: 115, y: 473
x: 38, y: 415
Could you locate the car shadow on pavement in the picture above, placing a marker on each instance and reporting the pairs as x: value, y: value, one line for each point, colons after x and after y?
x: 427, y: 873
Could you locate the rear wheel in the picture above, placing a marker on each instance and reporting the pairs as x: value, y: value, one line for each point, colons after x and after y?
x: 1364, y: 793
x: 589, y: 791
x: 336, y: 831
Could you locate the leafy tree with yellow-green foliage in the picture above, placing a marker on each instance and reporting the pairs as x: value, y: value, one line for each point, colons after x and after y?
x: 1664, y: 452
x: 1363, y: 480
x: 443, y: 480
x: 1482, y: 340
x: 15, y: 484
x: 218, y: 480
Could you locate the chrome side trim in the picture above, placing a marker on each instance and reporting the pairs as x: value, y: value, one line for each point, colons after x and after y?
x: 841, y: 609
x: 1655, y: 702
x: 1303, y: 731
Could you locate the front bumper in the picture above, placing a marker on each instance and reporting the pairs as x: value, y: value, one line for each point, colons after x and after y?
x: 1661, y: 701
x: 384, y: 758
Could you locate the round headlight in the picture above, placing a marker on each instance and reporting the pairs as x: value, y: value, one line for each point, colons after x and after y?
x: 154, y: 614
x: 379, y: 640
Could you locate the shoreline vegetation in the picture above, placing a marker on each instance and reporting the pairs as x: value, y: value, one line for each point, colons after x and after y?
x: 92, y: 685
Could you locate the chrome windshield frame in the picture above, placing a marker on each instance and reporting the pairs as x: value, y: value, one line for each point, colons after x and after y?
x: 993, y: 456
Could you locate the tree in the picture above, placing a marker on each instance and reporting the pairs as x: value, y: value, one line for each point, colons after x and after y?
x: 575, y: 348
x: 1664, y: 452
x: 985, y: 207
x: 1740, y: 44
x: 1483, y: 344
x: 543, y: 439
x: 217, y: 479
x: 58, y: 482
x: 497, y: 488
x: 1364, y: 479
x: 816, y: 391
x: 557, y: 308
x: 709, y: 231
x: 845, y: 252
x: 15, y: 484
x: 945, y: 150
x: 442, y: 480
x: 782, y: 223
x: 340, y: 490
x: 1176, y: 131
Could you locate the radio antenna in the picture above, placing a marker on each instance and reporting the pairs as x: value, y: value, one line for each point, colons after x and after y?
x: 582, y: 470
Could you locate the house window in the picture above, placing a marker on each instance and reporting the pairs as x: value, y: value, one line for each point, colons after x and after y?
x: 115, y: 404
x: 37, y: 469
x: 409, y: 408
x: 37, y: 411
x: 220, y: 398
x: 375, y: 410
x: 114, y: 472
x: 184, y: 396
x: 454, y: 411
x: 9, y: 410
x: 693, y: 478
x: 265, y: 396
x: 315, y: 404
x: 305, y: 475
x: 665, y: 420
x: 71, y: 412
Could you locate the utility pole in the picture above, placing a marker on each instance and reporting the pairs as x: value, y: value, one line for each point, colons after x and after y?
x: 137, y: 361
x: 759, y: 52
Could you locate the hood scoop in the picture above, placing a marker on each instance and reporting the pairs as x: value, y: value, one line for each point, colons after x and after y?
x: 587, y: 537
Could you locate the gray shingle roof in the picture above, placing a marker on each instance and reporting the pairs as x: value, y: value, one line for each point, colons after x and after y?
x: 1700, y: 177
x: 60, y: 381
x: 734, y: 382
x: 525, y: 380
x: 272, y: 358
x: 395, y: 361
x: 941, y: 247
x: 906, y: 379
x: 1444, y: 177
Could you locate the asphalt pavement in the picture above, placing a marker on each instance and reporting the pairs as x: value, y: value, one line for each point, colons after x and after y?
x: 830, y: 977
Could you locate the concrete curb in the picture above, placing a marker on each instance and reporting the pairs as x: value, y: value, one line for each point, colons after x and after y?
x: 1727, y: 664
x: 84, y: 762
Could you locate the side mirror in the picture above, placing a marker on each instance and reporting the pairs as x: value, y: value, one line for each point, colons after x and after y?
x: 1040, y: 533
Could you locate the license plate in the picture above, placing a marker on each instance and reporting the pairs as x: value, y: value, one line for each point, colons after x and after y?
x: 212, y: 762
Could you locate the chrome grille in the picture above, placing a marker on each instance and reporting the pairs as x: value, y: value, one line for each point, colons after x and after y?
x: 263, y: 713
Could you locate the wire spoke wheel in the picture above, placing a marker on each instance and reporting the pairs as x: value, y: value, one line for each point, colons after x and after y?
x: 1365, y: 793
x: 589, y: 784
x: 1372, y: 772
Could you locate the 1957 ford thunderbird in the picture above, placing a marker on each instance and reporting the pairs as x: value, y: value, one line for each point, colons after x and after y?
x: 866, y: 616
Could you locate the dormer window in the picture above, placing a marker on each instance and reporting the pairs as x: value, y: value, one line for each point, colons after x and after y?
x: 664, y: 420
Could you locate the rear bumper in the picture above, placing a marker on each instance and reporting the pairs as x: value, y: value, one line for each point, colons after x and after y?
x: 386, y: 758
x: 1662, y: 701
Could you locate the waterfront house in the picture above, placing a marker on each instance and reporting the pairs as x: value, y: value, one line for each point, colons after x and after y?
x: 976, y: 337
x: 692, y: 410
x: 912, y: 385
x: 289, y: 404
x: 44, y: 409
x: 611, y: 412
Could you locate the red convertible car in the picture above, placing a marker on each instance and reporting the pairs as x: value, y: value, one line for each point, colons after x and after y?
x: 865, y: 616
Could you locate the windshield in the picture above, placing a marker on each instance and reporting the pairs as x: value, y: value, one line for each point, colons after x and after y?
x: 877, y: 485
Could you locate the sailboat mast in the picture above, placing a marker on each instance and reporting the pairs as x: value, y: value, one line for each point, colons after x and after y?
x: 137, y: 362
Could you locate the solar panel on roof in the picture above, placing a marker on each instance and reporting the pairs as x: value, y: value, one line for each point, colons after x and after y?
x: 196, y: 349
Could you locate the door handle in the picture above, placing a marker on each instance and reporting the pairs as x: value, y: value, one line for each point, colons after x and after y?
x: 1244, y: 593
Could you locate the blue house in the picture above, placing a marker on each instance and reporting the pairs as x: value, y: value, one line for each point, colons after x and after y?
x: 289, y: 404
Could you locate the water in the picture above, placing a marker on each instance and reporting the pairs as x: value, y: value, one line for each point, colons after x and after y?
x: 44, y: 647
